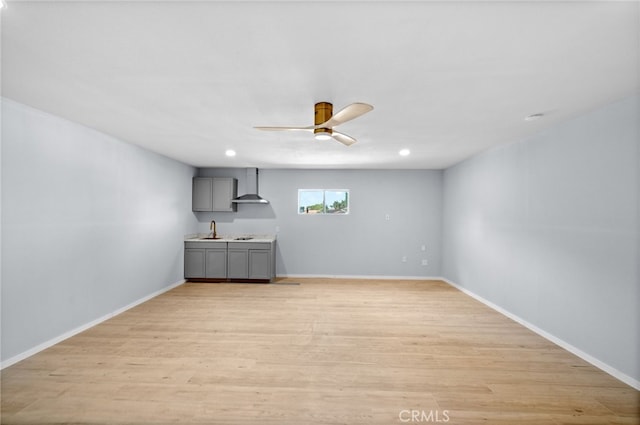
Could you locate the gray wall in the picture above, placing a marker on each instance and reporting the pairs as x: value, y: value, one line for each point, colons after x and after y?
x: 89, y: 225
x: 361, y: 243
x: 547, y: 229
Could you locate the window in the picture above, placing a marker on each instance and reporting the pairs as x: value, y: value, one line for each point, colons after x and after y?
x: 323, y: 201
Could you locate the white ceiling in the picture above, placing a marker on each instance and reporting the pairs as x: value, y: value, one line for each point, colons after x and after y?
x: 447, y: 79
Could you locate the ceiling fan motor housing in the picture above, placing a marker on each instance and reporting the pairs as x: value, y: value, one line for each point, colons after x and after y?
x: 323, y: 113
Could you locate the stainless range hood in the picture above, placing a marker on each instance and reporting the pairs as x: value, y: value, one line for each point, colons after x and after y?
x: 251, y: 197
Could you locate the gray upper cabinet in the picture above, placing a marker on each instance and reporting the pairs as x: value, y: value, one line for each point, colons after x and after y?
x: 214, y: 194
x: 202, y: 194
x: 224, y: 190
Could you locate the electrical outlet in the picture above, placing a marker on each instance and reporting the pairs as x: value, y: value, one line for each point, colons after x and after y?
x: 423, y: 248
x: 387, y: 217
x: 278, y: 230
x: 425, y: 262
x: 404, y: 259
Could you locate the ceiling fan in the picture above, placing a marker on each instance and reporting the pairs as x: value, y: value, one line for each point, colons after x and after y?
x: 325, y: 120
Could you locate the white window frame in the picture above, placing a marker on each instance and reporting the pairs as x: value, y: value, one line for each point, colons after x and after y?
x: 324, y: 201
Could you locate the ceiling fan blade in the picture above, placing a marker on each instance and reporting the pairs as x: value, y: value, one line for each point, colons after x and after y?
x: 343, y: 138
x: 285, y: 128
x: 347, y: 113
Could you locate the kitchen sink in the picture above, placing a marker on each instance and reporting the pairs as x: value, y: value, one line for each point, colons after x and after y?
x: 243, y: 238
x: 210, y: 238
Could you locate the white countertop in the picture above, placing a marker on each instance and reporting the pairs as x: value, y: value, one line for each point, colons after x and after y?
x: 201, y: 237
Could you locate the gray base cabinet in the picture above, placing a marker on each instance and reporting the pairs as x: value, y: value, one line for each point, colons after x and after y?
x: 237, y: 262
x: 214, y: 194
x: 216, y: 266
x: 205, y: 260
x: 194, y: 263
x: 251, y: 260
x: 230, y: 261
x: 260, y: 264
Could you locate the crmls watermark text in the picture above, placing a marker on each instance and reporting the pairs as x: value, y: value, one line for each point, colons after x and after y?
x: 434, y: 416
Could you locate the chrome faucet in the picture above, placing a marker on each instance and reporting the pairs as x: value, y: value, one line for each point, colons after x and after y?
x: 212, y: 227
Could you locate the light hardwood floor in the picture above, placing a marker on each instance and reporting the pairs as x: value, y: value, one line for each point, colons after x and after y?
x: 322, y: 352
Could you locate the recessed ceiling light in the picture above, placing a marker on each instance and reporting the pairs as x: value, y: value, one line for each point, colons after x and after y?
x: 404, y: 152
x: 533, y: 117
x: 230, y: 152
x: 3, y: 4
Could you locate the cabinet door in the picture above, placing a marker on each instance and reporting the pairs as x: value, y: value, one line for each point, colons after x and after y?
x: 238, y: 263
x: 259, y: 264
x: 216, y: 267
x: 194, y: 263
x: 202, y: 194
x: 224, y: 190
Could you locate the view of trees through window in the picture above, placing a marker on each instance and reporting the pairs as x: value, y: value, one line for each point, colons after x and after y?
x: 322, y: 201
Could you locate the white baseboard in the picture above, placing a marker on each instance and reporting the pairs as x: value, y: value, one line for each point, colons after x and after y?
x: 40, y: 347
x: 570, y: 348
x: 351, y: 276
